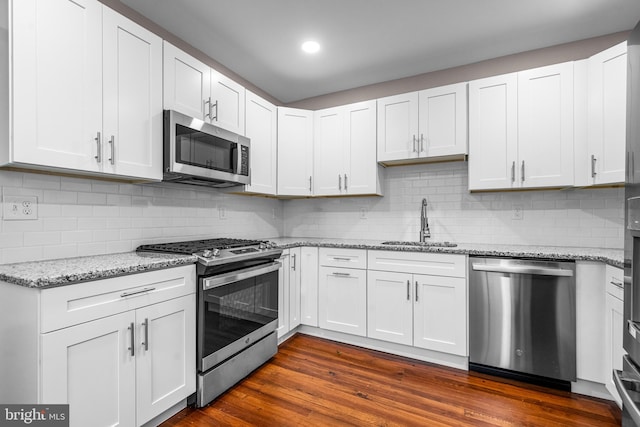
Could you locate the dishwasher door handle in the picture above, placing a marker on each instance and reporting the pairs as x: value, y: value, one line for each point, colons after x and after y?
x: 523, y: 269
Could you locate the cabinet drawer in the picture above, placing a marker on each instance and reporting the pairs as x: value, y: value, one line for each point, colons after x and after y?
x: 83, y: 302
x: 340, y: 257
x: 451, y: 265
x: 614, y: 277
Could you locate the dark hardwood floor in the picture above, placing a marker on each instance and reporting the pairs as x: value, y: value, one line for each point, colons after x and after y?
x: 316, y: 382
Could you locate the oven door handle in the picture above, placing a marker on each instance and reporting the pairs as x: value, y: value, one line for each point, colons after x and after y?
x: 236, y: 276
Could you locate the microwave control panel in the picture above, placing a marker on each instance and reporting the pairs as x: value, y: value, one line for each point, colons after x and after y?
x: 244, y: 160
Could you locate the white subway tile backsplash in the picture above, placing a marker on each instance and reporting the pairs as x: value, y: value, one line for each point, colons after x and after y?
x: 79, y: 216
x: 573, y: 217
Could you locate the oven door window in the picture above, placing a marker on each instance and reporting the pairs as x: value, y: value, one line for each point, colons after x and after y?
x: 207, y: 151
x: 234, y: 310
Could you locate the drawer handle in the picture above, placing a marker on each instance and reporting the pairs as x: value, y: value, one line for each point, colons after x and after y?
x: 341, y: 259
x: 341, y: 274
x: 618, y: 284
x: 141, y: 291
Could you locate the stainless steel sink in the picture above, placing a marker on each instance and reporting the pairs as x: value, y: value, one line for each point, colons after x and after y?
x: 428, y: 244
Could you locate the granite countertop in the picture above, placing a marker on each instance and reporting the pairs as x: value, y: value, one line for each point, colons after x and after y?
x: 52, y: 273
x: 614, y: 257
x: 59, y: 272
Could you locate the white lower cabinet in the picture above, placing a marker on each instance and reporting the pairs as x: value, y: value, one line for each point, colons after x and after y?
x: 342, y: 290
x: 424, y: 310
x: 307, y: 262
x: 283, y: 293
x: 126, y: 342
x: 89, y: 363
x: 289, y: 291
x: 414, y: 309
x: 342, y: 300
x: 614, y: 320
x: 136, y: 364
x: 390, y: 307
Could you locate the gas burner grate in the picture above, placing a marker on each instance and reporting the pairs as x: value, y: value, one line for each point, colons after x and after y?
x: 194, y: 246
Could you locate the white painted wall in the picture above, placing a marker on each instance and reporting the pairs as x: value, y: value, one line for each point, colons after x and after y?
x: 80, y: 216
x: 574, y: 217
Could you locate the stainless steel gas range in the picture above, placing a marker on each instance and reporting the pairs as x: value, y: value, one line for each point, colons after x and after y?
x: 237, y: 310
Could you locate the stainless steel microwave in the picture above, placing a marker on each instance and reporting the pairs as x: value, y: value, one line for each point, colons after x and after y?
x: 200, y: 153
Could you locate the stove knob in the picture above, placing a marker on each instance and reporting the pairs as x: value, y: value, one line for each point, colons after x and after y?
x: 210, y: 253
x: 262, y: 246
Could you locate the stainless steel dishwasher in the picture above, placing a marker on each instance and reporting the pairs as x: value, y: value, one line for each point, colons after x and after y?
x: 522, y: 320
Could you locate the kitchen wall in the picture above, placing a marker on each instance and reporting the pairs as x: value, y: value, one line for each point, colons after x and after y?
x: 78, y: 216
x: 574, y: 217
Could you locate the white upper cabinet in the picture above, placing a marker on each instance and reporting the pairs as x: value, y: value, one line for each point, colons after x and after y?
x: 197, y: 90
x: 607, y: 115
x: 227, y: 98
x: 132, y: 87
x: 361, y: 171
x: 56, y: 55
x: 328, y: 147
x: 398, y: 127
x: 295, y: 152
x: 187, y: 83
x: 493, y: 132
x: 521, y: 129
x: 64, y: 56
x: 443, y: 121
x: 545, y: 126
x: 416, y: 126
x: 261, y: 128
x: 345, y: 150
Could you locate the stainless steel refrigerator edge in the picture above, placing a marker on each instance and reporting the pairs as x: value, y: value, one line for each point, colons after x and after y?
x: 628, y: 381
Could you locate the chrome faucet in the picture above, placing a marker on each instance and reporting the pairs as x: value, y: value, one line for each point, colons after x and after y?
x: 424, y: 222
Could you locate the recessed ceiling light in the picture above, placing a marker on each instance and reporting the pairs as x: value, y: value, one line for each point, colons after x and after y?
x: 311, y: 46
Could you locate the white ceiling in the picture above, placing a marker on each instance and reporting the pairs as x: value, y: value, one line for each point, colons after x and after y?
x: 371, y: 41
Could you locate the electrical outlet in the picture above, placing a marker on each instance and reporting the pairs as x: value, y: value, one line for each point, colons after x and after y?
x: 222, y: 212
x: 517, y: 213
x: 20, y: 208
x: 363, y: 213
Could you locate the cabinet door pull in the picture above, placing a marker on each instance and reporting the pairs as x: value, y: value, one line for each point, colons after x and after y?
x: 422, y: 143
x: 293, y: 264
x: 207, y: 101
x: 141, y: 291
x: 513, y: 171
x: 339, y: 182
x: 215, y: 104
x: 133, y: 339
x: 522, y: 172
x: 345, y: 181
x: 416, y: 291
x: 593, y: 166
x: 146, y: 334
x: 408, y: 290
x: 414, y: 144
x: 98, y: 155
x: 112, y: 141
x: 310, y: 184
